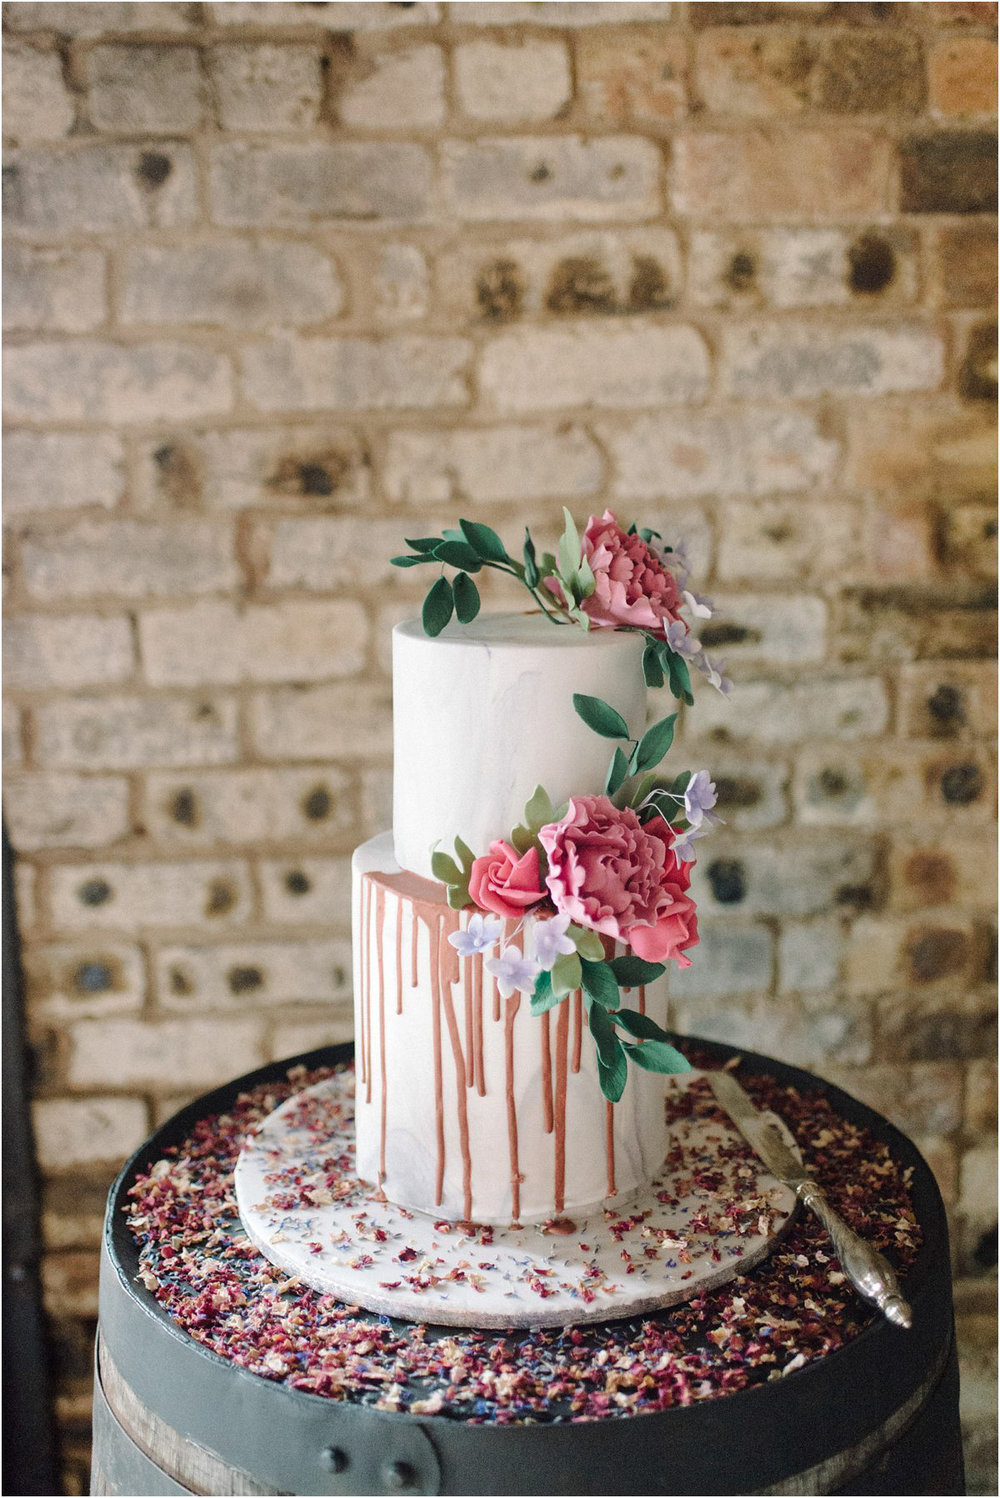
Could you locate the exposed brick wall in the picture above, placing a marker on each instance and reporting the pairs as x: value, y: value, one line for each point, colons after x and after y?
x: 287, y: 281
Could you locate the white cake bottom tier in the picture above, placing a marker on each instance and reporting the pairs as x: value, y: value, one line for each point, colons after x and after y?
x: 469, y: 1107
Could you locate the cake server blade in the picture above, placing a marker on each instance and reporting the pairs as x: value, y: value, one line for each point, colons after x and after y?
x: 868, y: 1271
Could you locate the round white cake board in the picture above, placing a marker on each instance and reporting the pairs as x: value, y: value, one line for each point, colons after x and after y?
x: 711, y: 1213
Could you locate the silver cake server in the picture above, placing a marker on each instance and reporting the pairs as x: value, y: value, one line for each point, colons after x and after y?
x: 868, y: 1271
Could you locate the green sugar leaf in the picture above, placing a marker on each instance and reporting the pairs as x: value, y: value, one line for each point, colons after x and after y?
x: 612, y: 1070
x: 466, y: 598
x: 466, y: 854
x: 680, y: 676
x: 543, y: 997
x: 655, y: 743
x: 458, y: 896
x: 588, y: 943
x: 458, y: 554
x: 601, y: 716
x: 633, y: 972
x: 531, y: 572
x: 444, y: 867
x: 598, y: 982
x: 424, y: 544
x: 640, y: 1025
x: 657, y: 1055
x: 539, y: 809
x: 570, y: 550
x: 484, y: 541
x: 566, y: 974
x: 409, y: 561
x: 651, y: 669
x: 438, y: 607
x: 617, y: 771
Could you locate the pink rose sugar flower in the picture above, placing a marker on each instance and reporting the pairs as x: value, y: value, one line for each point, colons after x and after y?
x: 604, y: 872
x: 675, y: 925
x: 506, y: 881
x: 632, y: 585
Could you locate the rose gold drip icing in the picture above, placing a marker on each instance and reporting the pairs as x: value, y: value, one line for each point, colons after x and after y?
x: 546, y: 1073
x: 609, y: 1136
x: 399, y: 955
x: 562, y: 1226
x: 496, y: 996
x: 513, y: 1004
x: 562, y: 1058
x: 368, y: 995
x: 642, y: 999
x: 366, y: 906
x: 577, y: 1002
x: 413, y: 950
x: 470, y: 1064
x: 379, y: 936
x: 438, y: 1079
x: 460, y: 1075
x: 477, y: 1025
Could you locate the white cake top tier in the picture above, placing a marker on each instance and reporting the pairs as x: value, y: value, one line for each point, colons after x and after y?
x: 484, y: 712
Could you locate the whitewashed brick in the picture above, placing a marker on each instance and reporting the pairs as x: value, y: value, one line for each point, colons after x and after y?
x: 809, y: 956
x: 730, y: 959
x: 550, y: 178
x: 140, y: 1053
x: 399, y: 91
x: 36, y: 102
x: 590, y: 272
x: 82, y: 1131
x: 53, y: 291
x: 65, y: 811
x: 86, y: 18
x: 127, y: 895
x: 153, y: 88
x: 249, y: 973
x: 698, y: 455
x: 357, y: 374
x: 263, y: 284
x: 217, y: 642
x: 312, y: 722
x: 570, y: 12
x: 512, y: 83
x: 790, y: 880
x: 328, y: 552
x: 307, y: 891
x: 70, y: 980
x: 269, y: 88
x: 376, y: 799
x: 126, y: 732
x: 132, y: 558
x: 116, y: 383
x: 241, y: 808
x: 92, y: 189
x: 13, y: 739
x: 26, y: 896
x: 491, y: 464
x: 752, y: 792
x: 978, y: 1188
x: 401, y: 283
x: 800, y: 541
x: 791, y: 267
x: 313, y: 466
x: 66, y: 650
x: 297, y: 1037
x: 61, y: 471
x: 811, y: 1030
x: 270, y: 185
x: 801, y: 362
x: 890, y: 785
x: 786, y: 630
x: 545, y: 368
x: 781, y: 713
x: 335, y: 15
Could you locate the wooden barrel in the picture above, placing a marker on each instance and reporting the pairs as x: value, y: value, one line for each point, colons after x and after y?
x: 877, y: 1416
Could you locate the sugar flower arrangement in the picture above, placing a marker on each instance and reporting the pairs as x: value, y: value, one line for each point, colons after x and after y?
x: 599, y: 870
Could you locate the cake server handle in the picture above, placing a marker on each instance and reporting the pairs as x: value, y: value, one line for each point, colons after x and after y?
x: 869, y: 1271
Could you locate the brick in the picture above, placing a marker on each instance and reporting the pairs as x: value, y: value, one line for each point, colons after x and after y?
x: 90, y: 189
x: 967, y: 265
x: 756, y: 12
x: 642, y: 83
x: 26, y: 896
x: 53, y: 291
x: 263, y: 284
x: 155, y: 88
x: 844, y: 708
x: 357, y: 374
x: 618, y: 368
x: 401, y: 283
x: 611, y: 177
x: 981, y: 1096
x: 85, y: 19
x: 297, y: 1037
x: 893, y: 624
x: 315, y: 722
x: 126, y: 732
x: 269, y: 185
x: 795, y: 880
x: 814, y: 1031
x: 336, y: 15
x: 803, y: 362
x: 906, y: 785
x: 571, y: 13
x: 251, y: 973
x: 773, y: 540
x: 943, y: 1027
x: 809, y: 956
x: 61, y: 471
x: 36, y: 102
x: 802, y: 267
x: 970, y: 540
x: 871, y: 74
x: 399, y: 91
x: 919, y: 451
x: 267, y: 88
x: 947, y: 701
x: 78, y: 1131
x: 243, y: 808
x: 762, y: 176
x: 13, y: 736
x: 69, y: 1286
x: 376, y: 799
x: 138, y: 1053
x: 962, y: 76
x: 67, y: 980
x: 750, y: 72
x: 217, y: 642
x: 309, y: 891
x: 130, y: 895
x: 902, y: 540
x: 922, y: 1099
x: 978, y: 1177
x: 752, y: 792
x: 784, y: 631
x: 699, y: 455
x: 311, y: 467
x: 512, y: 83
x: 949, y: 172
x: 66, y: 811
x: 73, y: 1209
x: 731, y: 959
x: 883, y: 955
x: 133, y: 559
x: 597, y: 273
x: 977, y: 376
x: 491, y: 465
x: 69, y: 650
x: 91, y: 381
x: 328, y: 552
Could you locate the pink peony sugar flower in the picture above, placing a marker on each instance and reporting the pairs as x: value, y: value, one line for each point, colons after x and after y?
x: 633, y: 586
x: 675, y: 924
x: 505, y: 881
x: 604, y: 872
